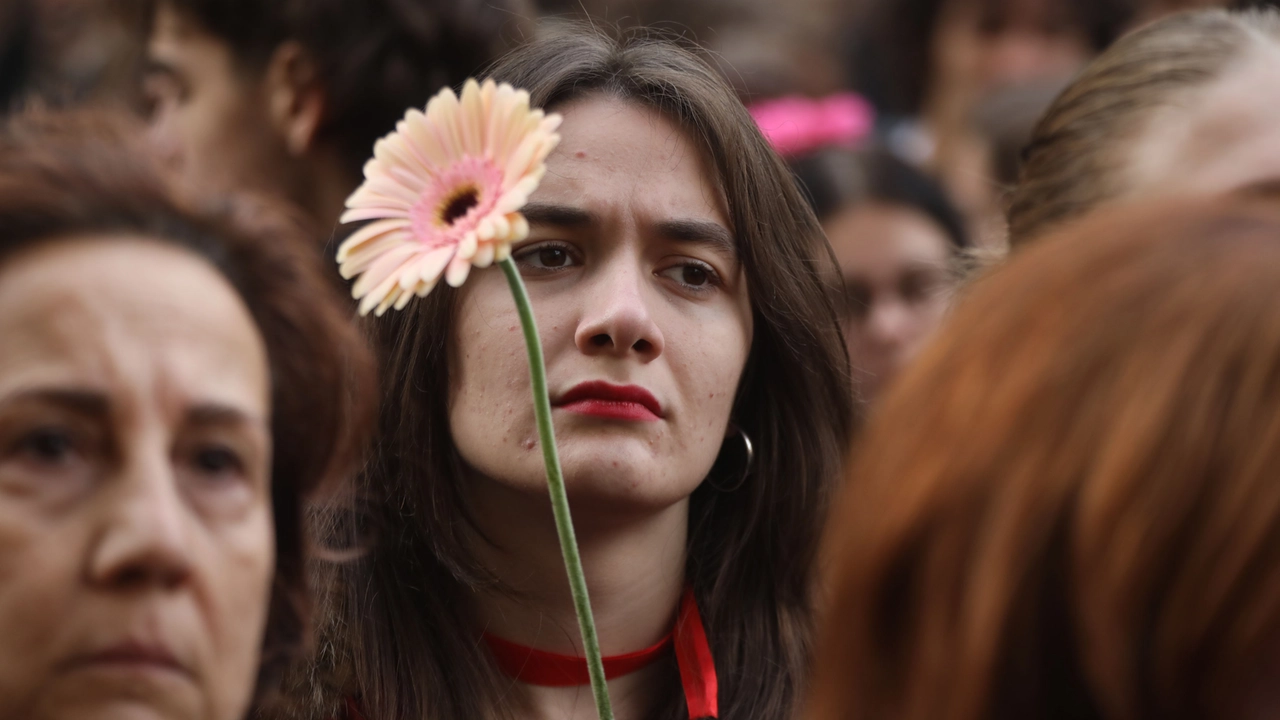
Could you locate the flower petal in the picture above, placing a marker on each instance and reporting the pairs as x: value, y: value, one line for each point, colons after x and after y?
x: 457, y: 272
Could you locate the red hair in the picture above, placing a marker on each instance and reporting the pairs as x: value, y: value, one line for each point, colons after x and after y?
x: 1070, y: 507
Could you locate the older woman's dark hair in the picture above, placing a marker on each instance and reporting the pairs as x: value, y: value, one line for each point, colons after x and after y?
x: 407, y: 648
x: 837, y: 178
x: 1068, y: 507
x: 84, y: 175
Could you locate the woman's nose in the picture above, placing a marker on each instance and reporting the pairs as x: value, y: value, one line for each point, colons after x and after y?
x: 889, y: 324
x: 616, y: 318
x: 143, y: 536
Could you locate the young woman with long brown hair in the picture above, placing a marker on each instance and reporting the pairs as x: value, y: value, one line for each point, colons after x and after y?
x: 1069, y: 508
x: 701, y: 403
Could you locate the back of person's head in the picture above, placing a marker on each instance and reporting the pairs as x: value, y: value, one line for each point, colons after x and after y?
x: 84, y: 176
x: 373, y: 58
x: 1089, y: 146
x: 1068, y: 508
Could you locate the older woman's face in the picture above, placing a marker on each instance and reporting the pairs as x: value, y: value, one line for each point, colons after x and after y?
x: 136, y: 539
x: 643, y: 310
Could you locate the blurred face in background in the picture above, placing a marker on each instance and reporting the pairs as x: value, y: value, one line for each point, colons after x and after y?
x: 896, y: 263
x: 209, y: 116
x: 980, y: 46
x: 136, y: 534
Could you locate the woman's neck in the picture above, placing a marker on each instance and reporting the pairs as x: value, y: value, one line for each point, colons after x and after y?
x: 634, y: 564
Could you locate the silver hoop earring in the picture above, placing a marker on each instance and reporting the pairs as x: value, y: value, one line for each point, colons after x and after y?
x: 722, y: 466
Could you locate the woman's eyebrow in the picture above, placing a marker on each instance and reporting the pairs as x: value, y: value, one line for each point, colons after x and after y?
x: 217, y: 414
x: 705, y: 232
x: 558, y: 215
x: 82, y: 402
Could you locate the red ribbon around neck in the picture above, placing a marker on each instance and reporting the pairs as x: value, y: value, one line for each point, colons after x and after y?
x: 693, y: 656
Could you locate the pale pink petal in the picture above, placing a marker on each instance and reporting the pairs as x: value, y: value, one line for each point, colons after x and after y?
x: 519, y: 227
x: 378, y: 295
x: 458, y: 270
x: 484, y: 256
x: 391, y: 297
x: 372, y: 213
x: 406, y: 294
x: 469, y: 125
x: 434, y: 264
x: 385, y: 267
x: 361, y: 259
x: 369, y: 232
x: 501, y: 226
x: 467, y: 248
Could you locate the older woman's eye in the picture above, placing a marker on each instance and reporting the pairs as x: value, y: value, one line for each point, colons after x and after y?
x: 692, y: 275
x: 218, y: 461
x: 48, y: 446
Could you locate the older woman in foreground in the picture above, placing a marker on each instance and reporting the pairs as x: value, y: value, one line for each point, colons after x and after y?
x: 174, y: 382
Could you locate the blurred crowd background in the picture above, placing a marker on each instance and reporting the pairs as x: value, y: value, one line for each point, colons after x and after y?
x: 952, y: 86
x: 904, y: 119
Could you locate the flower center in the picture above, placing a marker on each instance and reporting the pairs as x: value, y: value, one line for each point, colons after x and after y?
x: 458, y: 204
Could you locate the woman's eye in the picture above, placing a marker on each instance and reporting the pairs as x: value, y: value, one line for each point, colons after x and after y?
x: 695, y: 276
x: 546, y: 257
x: 553, y: 257
x: 48, y: 446
x: 218, y: 461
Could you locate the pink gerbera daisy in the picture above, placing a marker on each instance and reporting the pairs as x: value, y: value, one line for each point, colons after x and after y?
x: 444, y: 191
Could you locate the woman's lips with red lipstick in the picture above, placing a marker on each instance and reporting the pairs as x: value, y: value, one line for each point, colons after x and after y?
x: 615, y: 402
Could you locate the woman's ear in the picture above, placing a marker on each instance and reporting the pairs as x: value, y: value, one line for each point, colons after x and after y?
x: 295, y: 96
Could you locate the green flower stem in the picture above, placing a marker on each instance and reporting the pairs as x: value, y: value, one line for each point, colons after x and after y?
x: 559, y: 500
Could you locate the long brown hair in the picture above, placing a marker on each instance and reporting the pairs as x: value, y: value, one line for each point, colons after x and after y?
x: 399, y: 636
x: 1069, y: 507
x: 1079, y: 151
x: 87, y: 174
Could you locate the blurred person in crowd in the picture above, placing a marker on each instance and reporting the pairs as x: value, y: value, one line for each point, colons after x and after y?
x: 1185, y: 105
x: 763, y: 48
x: 174, y: 383
x: 288, y: 97
x: 898, y: 241
x: 700, y: 394
x: 16, y: 39
x: 1068, y: 506
x: 928, y: 65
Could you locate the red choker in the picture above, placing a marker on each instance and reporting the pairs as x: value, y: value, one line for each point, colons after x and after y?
x: 693, y: 656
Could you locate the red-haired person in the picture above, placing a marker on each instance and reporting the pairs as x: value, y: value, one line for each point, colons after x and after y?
x: 1068, y: 507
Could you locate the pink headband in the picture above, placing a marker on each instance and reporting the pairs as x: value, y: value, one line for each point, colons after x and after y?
x: 795, y: 125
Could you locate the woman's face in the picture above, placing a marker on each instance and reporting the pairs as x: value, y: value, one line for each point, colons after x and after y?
x: 643, y: 310
x: 136, y: 537
x: 895, y: 262
x: 1219, y: 139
